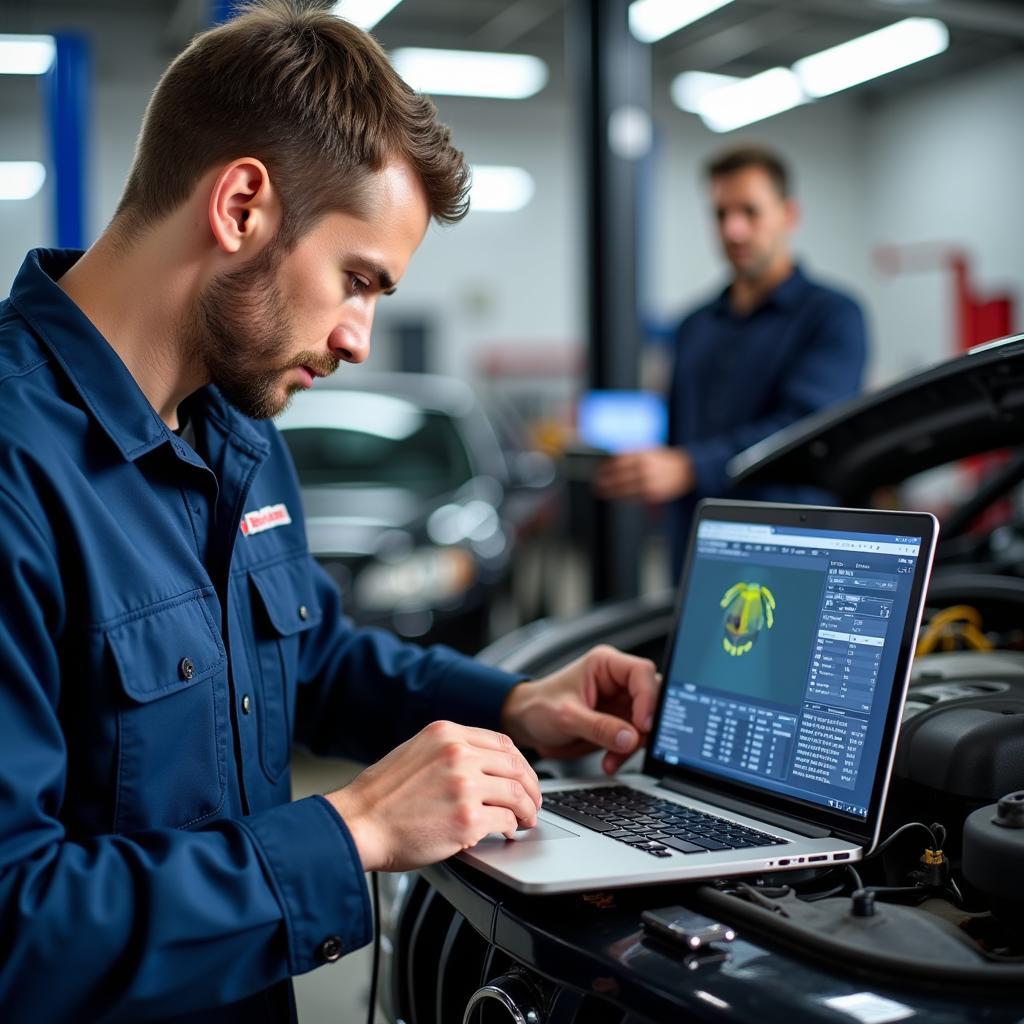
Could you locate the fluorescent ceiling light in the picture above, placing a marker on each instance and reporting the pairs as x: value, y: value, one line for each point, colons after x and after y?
x: 26, y: 55
x: 510, y: 76
x: 691, y: 87
x: 21, y: 179
x: 869, y: 56
x: 751, y: 99
x: 364, y: 14
x: 500, y: 189
x: 651, y: 20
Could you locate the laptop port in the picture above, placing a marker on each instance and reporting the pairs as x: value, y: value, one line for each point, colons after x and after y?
x: 840, y: 856
x: 820, y: 856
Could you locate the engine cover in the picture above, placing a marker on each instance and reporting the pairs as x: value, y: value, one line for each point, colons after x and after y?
x: 962, y: 739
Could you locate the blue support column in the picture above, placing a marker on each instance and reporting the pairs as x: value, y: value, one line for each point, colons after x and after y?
x: 67, y: 90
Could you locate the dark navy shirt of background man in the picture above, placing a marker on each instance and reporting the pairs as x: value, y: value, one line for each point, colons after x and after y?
x: 774, y: 347
x: 738, y: 379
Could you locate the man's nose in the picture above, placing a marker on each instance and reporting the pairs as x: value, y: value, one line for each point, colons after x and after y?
x: 351, y: 343
x: 734, y: 228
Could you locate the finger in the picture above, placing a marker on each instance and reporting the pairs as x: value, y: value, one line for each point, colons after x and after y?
x: 621, y: 476
x: 618, y: 471
x: 484, y: 739
x: 512, y: 766
x: 604, y: 730
x: 494, y: 819
x: 615, y: 671
x: 512, y: 795
x: 611, y: 763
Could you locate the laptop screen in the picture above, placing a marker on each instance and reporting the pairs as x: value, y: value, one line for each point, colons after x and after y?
x: 785, y: 658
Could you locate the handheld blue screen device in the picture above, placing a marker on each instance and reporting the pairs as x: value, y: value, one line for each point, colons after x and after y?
x: 615, y: 422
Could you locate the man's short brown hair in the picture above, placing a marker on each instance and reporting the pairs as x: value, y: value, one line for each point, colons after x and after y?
x: 742, y: 157
x: 307, y: 93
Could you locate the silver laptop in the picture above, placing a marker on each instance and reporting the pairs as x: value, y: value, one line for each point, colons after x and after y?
x: 784, y: 681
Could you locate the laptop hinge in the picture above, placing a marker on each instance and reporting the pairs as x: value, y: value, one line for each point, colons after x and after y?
x: 801, y: 828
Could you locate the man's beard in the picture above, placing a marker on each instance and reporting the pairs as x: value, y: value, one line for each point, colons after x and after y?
x: 240, y: 331
x: 755, y: 268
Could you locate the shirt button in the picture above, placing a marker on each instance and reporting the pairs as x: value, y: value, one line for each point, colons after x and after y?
x: 246, y: 704
x: 330, y: 949
x: 186, y: 669
x: 303, y: 612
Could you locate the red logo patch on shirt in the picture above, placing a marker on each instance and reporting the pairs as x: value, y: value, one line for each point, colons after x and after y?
x: 265, y: 518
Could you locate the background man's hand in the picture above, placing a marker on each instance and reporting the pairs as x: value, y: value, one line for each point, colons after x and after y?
x: 656, y: 475
x: 604, y: 700
x: 436, y: 794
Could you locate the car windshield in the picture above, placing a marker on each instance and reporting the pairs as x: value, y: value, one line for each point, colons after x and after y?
x: 430, y: 460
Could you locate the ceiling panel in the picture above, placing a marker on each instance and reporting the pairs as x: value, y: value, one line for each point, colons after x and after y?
x: 742, y: 38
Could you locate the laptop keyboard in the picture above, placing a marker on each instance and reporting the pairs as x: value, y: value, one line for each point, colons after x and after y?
x: 645, y: 822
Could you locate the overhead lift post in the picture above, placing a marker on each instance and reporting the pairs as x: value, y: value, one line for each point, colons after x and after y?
x: 613, y: 80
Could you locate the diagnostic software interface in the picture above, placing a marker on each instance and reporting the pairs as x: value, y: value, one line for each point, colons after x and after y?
x: 785, y: 658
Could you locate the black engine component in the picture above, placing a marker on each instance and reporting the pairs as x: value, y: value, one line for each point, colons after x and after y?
x: 962, y: 741
x: 993, y: 856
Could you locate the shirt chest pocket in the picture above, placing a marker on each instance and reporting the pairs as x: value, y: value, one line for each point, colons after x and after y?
x: 285, y: 607
x: 171, y: 671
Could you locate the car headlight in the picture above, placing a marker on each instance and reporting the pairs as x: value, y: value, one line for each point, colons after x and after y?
x: 426, y: 578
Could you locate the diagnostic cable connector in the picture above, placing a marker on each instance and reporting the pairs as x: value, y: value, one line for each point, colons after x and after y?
x: 934, y: 868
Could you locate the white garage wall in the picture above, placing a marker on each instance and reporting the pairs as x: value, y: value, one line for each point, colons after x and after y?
x: 500, y: 281
x: 946, y: 167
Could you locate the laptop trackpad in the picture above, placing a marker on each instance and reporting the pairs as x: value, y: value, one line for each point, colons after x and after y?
x: 543, y: 830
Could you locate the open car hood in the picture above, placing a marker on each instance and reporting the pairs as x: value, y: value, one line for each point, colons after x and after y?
x: 966, y: 406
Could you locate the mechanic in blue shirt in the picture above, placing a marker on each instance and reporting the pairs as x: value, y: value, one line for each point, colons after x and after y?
x: 773, y: 347
x: 164, y: 633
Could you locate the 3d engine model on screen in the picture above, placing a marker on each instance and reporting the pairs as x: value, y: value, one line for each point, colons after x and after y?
x: 749, y: 608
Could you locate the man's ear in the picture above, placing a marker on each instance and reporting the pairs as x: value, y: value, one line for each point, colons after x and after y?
x: 244, y: 210
x: 793, y: 212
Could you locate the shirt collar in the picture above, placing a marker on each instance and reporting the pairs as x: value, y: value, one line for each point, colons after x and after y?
x: 784, y: 296
x: 96, y: 371
x: 790, y: 292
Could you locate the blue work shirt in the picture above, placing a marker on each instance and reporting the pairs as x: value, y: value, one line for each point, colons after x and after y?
x: 158, y: 657
x: 739, y: 378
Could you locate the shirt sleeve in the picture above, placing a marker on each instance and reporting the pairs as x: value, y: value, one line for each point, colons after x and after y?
x: 157, y: 922
x: 827, y: 368
x: 363, y: 691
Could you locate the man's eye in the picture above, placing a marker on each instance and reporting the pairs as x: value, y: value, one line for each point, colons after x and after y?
x: 358, y: 284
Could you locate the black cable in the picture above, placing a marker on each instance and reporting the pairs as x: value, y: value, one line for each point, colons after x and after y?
x: 371, y: 1013
x: 955, y: 889
x: 813, y: 897
x: 857, y: 883
x: 903, y: 890
x: 904, y: 828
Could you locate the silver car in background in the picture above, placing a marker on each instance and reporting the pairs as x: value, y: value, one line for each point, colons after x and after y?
x: 413, y: 505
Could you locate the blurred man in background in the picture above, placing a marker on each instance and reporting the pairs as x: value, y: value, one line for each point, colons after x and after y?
x: 771, y: 348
